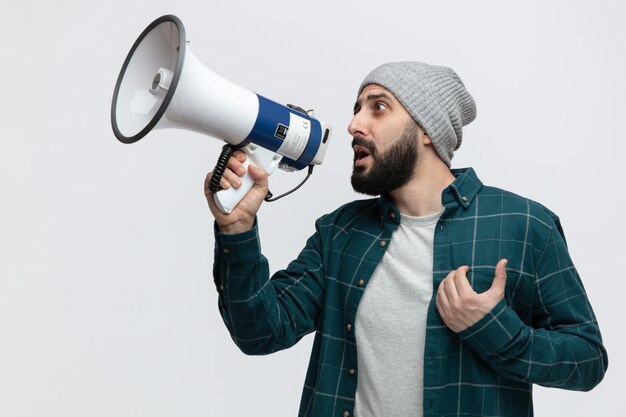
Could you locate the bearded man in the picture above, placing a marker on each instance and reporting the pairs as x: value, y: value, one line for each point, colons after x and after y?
x: 440, y: 296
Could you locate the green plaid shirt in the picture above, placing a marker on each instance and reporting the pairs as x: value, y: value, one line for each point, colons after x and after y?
x: 543, y: 332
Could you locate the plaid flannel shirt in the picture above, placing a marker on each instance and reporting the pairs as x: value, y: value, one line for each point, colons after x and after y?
x: 543, y: 332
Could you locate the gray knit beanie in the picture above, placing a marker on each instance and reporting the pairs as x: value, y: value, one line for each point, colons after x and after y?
x: 434, y: 96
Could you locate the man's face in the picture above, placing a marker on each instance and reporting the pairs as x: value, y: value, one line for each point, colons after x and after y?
x: 385, y: 142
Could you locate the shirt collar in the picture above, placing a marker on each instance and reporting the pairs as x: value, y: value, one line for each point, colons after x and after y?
x: 464, y: 188
x: 387, y: 210
x: 462, y: 191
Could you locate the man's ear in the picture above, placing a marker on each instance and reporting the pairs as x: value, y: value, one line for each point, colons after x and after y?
x: 426, y: 140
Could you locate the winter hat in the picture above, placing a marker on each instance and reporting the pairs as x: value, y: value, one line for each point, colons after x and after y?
x: 434, y: 96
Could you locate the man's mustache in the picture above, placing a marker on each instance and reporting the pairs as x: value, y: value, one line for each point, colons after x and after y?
x: 356, y: 140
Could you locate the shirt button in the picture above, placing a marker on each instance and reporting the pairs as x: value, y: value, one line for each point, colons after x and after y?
x: 346, y: 413
x: 382, y: 243
x: 464, y: 199
x: 226, y: 250
x: 349, y: 327
x: 221, y: 287
x: 351, y: 371
x: 360, y: 282
x: 392, y: 215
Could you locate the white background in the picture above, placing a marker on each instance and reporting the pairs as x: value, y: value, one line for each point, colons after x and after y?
x: 107, y: 305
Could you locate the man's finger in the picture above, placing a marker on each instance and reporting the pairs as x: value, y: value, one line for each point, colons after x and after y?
x: 442, y: 302
x: 235, y: 163
x: 231, y: 178
x: 464, y: 269
x: 461, y: 282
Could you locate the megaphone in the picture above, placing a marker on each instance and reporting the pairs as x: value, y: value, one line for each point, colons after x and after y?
x: 163, y: 85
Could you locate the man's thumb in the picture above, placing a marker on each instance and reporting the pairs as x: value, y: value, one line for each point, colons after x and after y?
x: 258, y: 175
x: 499, y: 281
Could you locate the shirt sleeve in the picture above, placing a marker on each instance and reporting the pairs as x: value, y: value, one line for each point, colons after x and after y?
x: 563, y: 346
x: 266, y: 315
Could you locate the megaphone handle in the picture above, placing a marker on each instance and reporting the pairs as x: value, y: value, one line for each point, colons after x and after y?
x: 228, y: 199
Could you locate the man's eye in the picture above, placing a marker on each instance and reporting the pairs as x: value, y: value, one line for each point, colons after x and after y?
x: 380, y: 106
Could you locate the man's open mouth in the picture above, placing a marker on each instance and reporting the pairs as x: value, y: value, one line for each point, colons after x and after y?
x: 361, y: 154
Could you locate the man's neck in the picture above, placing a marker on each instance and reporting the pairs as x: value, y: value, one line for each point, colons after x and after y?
x: 421, y: 196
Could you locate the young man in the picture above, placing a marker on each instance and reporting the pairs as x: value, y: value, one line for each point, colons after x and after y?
x: 440, y: 297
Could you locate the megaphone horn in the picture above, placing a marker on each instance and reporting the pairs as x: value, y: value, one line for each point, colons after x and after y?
x: 163, y: 85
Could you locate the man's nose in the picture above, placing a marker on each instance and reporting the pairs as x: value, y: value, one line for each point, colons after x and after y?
x: 356, y: 126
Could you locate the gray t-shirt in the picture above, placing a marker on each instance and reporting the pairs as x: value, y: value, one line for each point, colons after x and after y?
x: 390, y: 326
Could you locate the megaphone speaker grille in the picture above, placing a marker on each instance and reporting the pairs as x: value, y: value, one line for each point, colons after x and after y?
x: 138, y: 104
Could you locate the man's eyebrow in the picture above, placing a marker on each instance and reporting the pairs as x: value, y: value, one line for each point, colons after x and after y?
x: 357, y: 105
x: 377, y: 96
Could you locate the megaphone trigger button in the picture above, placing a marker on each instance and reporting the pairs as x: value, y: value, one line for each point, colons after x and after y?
x: 297, y: 108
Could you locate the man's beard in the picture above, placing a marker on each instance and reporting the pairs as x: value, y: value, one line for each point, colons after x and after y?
x: 391, y: 169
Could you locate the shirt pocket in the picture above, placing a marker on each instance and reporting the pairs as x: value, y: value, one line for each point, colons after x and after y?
x: 519, y: 292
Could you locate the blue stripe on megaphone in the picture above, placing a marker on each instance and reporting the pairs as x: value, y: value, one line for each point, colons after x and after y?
x: 271, y: 128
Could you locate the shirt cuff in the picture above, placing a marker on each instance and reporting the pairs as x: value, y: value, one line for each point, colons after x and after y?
x: 494, y: 331
x: 238, y: 248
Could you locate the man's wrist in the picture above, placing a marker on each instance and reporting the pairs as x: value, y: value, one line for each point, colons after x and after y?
x: 236, y: 228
